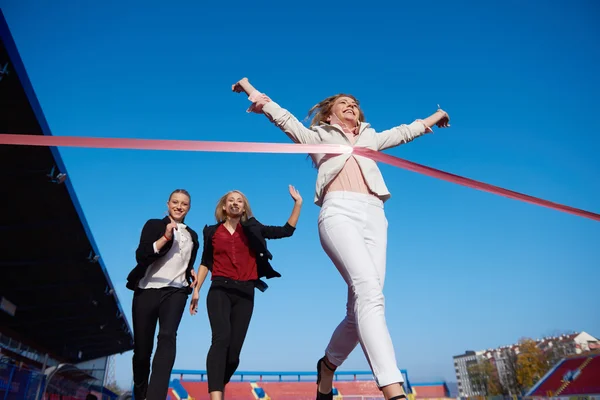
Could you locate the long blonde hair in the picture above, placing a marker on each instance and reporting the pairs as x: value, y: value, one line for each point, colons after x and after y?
x: 322, y: 110
x: 221, y: 215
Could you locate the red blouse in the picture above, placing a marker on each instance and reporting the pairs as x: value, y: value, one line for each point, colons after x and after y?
x: 233, y: 257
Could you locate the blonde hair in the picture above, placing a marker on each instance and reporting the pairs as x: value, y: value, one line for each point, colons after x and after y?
x: 322, y: 110
x: 220, y: 214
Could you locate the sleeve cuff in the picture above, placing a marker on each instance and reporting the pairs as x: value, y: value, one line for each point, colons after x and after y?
x: 258, y: 100
x: 154, y: 248
x: 254, y: 96
x: 427, y: 128
x: 289, y: 228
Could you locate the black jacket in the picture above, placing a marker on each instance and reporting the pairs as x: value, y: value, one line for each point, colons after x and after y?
x: 257, y: 234
x: 153, y: 230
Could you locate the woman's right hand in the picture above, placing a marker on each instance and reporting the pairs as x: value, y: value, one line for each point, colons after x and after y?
x: 194, y: 302
x: 243, y: 86
x: 169, y: 229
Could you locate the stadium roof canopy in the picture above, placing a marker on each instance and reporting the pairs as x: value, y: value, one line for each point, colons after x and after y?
x: 55, y: 293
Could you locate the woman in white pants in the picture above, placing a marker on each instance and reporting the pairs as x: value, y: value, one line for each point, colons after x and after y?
x: 352, y: 225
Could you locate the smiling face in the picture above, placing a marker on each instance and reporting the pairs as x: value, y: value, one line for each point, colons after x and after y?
x: 234, y: 205
x: 346, y: 110
x: 178, y: 206
x: 343, y: 109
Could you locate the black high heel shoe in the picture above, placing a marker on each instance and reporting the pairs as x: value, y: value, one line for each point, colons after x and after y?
x: 322, y: 396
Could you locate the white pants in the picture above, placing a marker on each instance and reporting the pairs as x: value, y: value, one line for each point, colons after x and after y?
x: 353, y: 232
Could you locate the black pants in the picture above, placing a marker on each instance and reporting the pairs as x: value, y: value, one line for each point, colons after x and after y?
x: 165, y: 306
x: 230, y: 305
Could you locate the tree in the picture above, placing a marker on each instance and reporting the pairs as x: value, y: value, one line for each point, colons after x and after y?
x: 531, y: 364
x: 115, y: 388
x: 479, y: 382
x: 510, y: 378
x: 484, y: 379
x: 495, y: 386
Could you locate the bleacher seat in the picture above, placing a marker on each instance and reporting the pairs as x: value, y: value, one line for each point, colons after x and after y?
x: 233, y: 390
x: 587, y: 382
x: 434, y: 390
x: 553, y: 382
x: 289, y: 390
x: 196, y: 390
x: 360, y: 388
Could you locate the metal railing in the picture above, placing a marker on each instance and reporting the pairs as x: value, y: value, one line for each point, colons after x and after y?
x: 19, y: 383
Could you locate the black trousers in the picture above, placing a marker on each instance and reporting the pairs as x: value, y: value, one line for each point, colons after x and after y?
x: 165, y: 306
x: 230, y: 305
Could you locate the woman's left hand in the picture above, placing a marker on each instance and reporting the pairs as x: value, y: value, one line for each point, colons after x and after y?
x: 295, y: 195
x: 444, y: 121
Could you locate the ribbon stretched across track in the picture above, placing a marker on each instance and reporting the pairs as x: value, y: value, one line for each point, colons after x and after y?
x: 486, y: 187
x: 159, y: 144
x: 253, y: 147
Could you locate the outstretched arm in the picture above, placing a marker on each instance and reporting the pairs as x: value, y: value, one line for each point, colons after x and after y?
x: 281, y: 117
x: 279, y: 232
x: 406, y: 133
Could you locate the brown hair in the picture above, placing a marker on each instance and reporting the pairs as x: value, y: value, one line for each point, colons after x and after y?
x: 322, y: 110
x: 220, y: 214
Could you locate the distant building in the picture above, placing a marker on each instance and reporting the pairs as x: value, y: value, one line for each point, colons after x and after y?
x: 461, y: 367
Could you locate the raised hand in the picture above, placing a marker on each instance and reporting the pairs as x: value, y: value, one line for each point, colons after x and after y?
x: 295, y: 195
x: 444, y: 121
x: 243, y: 85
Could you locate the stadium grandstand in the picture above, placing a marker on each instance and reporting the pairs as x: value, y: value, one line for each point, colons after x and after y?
x: 576, y: 376
x: 273, y: 385
x: 60, y: 318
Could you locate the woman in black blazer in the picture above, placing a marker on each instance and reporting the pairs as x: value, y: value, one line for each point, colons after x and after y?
x: 235, y: 251
x: 162, y: 282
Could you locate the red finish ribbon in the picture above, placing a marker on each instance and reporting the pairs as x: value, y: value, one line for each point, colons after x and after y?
x: 253, y: 147
x: 156, y: 144
x: 486, y: 187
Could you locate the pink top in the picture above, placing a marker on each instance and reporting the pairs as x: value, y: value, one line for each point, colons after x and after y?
x: 350, y: 178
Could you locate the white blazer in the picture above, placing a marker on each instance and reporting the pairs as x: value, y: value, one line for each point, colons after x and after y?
x: 329, y: 165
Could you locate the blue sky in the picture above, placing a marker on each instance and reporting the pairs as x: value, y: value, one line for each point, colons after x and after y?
x: 466, y: 269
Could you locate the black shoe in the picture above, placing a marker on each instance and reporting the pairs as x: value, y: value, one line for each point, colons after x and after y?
x: 402, y: 396
x: 322, y: 396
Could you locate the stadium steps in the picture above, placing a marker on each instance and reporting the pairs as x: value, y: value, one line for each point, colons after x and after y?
x: 259, y: 392
x: 578, y: 372
x: 554, y: 379
x: 179, y: 391
x: 585, y: 363
x: 561, y: 388
x: 581, y: 380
